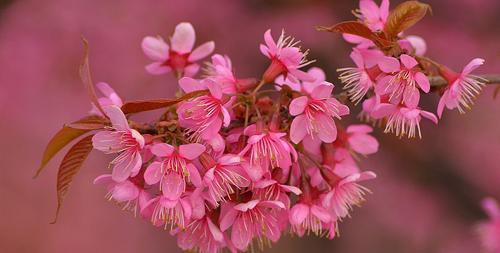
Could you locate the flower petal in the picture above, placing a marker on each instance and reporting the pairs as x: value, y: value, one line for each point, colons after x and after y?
x: 162, y: 149
x: 153, y: 173
x: 157, y: 68
x: 202, y: 51
x: 191, y: 151
x: 183, y: 39
x: 117, y: 117
x: 173, y: 185
x: 298, y: 213
x: 408, y: 61
x: 298, y: 105
x: 298, y: 129
x: 155, y: 48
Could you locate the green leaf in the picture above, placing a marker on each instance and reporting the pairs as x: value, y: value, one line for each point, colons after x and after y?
x: 70, y: 165
x: 403, y: 17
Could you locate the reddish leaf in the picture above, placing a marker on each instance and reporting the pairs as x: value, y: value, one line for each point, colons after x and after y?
x: 356, y: 28
x: 67, y: 134
x: 87, y: 77
x: 149, y: 105
x: 404, y: 16
x: 70, y: 165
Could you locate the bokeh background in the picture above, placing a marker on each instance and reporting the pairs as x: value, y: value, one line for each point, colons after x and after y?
x: 426, y: 198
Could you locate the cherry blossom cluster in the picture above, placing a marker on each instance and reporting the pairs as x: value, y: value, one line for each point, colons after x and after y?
x: 390, y: 82
x: 240, y: 161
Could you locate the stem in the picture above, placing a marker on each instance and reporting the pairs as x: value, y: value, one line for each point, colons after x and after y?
x: 437, y: 81
x: 261, y: 83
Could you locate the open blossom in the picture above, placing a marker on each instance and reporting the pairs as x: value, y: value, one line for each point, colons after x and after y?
x: 462, y: 88
x: 403, y: 121
x: 110, y: 98
x: 346, y: 193
x: 372, y: 15
x: 204, y: 116
x: 268, y: 149
x: 176, y: 212
x: 311, y: 217
x: 286, y: 58
x: 489, y: 231
x: 123, y: 140
x: 315, y: 114
x: 402, y: 80
x: 202, y: 235
x: 360, y: 79
x: 179, y: 56
x: 270, y: 189
x: 253, y: 219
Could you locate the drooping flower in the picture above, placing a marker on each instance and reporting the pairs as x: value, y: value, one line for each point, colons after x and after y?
x: 286, y: 58
x: 123, y: 140
x: 179, y: 56
x: 489, y: 231
x: 401, y: 120
x: 310, y: 217
x: 346, y: 193
x: 267, y: 149
x: 204, y: 116
x: 202, y: 236
x: 315, y: 115
x: 402, y: 80
x: 462, y: 88
x: 110, y: 98
x: 360, y: 79
x: 372, y: 15
x: 253, y: 219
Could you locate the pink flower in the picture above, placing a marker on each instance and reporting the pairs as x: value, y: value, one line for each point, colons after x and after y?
x: 202, y: 236
x: 315, y: 114
x: 303, y: 86
x: 270, y: 189
x: 402, y: 81
x: 490, y: 230
x: 123, y: 140
x: 223, y: 176
x: 359, y: 80
x: 180, y: 56
x: 360, y: 141
x: 267, y: 149
x: 110, y: 98
x: 414, y: 44
x: 253, y: 219
x: 402, y: 120
x: 286, y: 58
x: 128, y: 193
x: 346, y: 193
x: 221, y: 71
x: 462, y: 88
x: 311, y: 217
x: 174, y: 168
x: 372, y: 15
x: 167, y: 211
x: 204, y: 116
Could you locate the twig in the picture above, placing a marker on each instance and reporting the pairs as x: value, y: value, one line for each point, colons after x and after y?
x: 437, y: 81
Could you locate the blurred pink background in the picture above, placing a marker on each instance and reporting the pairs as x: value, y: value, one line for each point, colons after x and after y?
x: 426, y: 198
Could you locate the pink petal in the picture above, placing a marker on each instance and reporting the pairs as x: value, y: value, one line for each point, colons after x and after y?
x: 327, y: 129
x: 298, y: 213
x: 491, y: 208
x: 240, y: 234
x: 153, y: 173
x: 229, y: 159
x: 243, y: 207
x: 117, y: 117
x: 408, y: 61
x: 298, y: 130
x: 429, y: 116
x: 272, y: 204
x: 215, y: 231
x: 411, y: 97
x: 125, y: 191
x: 271, y: 45
x: 317, y: 73
x: 173, y: 186
x: 202, y: 51
x: 474, y: 64
x: 124, y: 168
x: 441, y: 104
x: 110, y: 93
x: 423, y: 82
x: 214, y: 88
x: 191, y: 70
x: 103, y: 179
x: 363, y: 143
x: 162, y: 149
x: 191, y: 151
x: 324, y: 90
x: 189, y: 84
x: 157, y: 68
x: 183, y: 39
x: 418, y: 43
x: 228, y: 219
x: 155, y: 48
x: 367, y: 175
x: 107, y: 141
x: 321, y: 213
x: 194, y: 175
x: 360, y: 129
x: 389, y: 64
x: 292, y: 189
x: 298, y: 105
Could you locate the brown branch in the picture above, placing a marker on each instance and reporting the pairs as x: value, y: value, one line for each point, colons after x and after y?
x: 437, y: 81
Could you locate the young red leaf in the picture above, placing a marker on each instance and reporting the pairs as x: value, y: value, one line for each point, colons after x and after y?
x: 403, y: 17
x: 70, y: 165
x: 87, y: 77
x: 149, y: 105
x: 356, y: 28
x: 67, y: 134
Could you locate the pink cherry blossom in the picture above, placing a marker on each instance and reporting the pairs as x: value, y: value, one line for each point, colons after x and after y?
x: 403, y: 121
x: 346, y: 193
x: 309, y: 217
x: 270, y: 189
x: 202, y: 236
x: 360, y: 140
x: 221, y: 71
x: 462, y: 88
x: 360, y: 79
x: 110, y: 98
x: 489, y: 231
x: 402, y: 80
x: 268, y: 149
x: 302, y: 86
x: 123, y: 140
x: 286, y: 58
x: 315, y: 114
x: 372, y: 15
x: 253, y: 219
x: 415, y: 44
x: 204, y: 116
x: 167, y: 211
x: 179, y: 56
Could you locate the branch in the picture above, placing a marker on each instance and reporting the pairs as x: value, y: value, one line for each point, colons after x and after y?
x: 437, y: 81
